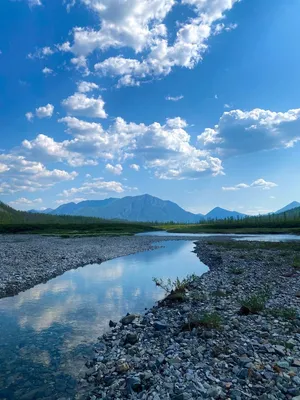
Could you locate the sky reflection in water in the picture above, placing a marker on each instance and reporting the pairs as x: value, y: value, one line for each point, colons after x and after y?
x: 48, y: 329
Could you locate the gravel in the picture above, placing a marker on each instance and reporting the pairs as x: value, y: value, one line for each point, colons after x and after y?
x: 32, y: 259
x: 222, y: 354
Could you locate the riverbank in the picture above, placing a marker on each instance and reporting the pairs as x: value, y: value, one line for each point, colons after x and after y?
x: 203, y: 347
x: 27, y: 260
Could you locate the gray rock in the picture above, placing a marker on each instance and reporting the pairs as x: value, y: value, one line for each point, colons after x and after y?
x: 128, y: 319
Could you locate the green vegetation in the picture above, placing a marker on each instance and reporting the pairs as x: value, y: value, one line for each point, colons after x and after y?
x: 177, y: 286
x: 296, y: 262
x: 207, y: 320
x: 285, y: 313
x: 13, y: 221
x: 288, y: 222
x: 256, y: 302
x: 236, y: 270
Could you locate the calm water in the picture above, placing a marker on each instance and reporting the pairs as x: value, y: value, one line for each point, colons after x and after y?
x: 48, y: 330
x: 235, y: 236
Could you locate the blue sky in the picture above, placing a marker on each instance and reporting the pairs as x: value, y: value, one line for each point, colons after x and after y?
x: 196, y: 101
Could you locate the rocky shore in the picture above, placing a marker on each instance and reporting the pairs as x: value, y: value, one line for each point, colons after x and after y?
x: 235, y: 335
x: 27, y: 260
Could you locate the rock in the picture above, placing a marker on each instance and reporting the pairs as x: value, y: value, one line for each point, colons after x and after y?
x: 159, y: 326
x: 128, y: 319
x: 131, y: 338
x: 296, y: 363
x: 122, y: 367
x: 112, y: 324
x: 298, y: 294
x: 134, y: 384
x: 283, y: 364
x: 244, y: 310
x: 280, y: 350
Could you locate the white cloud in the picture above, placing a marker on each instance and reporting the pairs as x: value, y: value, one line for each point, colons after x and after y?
x: 85, y: 87
x: 23, y: 201
x: 114, y: 169
x: 135, y: 167
x: 262, y: 184
x: 22, y: 174
x: 41, y: 53
x: 81, y: 105
x: 139, y: 25
x: 241, y: 132
x: 174, y: 98
x: 45, y: 112
x: 29, y: 116
x: 47, y: 71
x: 259, y: 183
x: 97, y: 185
x: 33, y: 3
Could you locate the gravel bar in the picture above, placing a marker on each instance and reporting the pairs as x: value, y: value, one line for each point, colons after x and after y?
x: 27, y: 260
x: 207, y: 346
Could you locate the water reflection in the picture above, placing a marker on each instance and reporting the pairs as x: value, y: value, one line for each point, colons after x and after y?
x: 46, y: 331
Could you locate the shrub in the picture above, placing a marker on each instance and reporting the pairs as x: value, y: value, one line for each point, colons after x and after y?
x: 284, y: 312
x: 206, y: 320
x: 176, y: 286
x: 256, y: 302
x: 296, y: 262
x: 236, y: 270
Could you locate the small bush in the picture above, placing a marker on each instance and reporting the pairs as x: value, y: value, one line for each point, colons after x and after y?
x: 285, y: 313
x: 207, y: 320
x: 236, y: 270
x: 211, y: 320
x: 255, y: 303
x: 176, y: 286
x: 296, y: 262
x: 219, y: 293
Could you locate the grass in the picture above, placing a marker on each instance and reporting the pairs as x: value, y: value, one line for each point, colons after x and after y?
x: 177, y: 286
x: 236, y: 270
x: 256, y: 302
x: 207, y: 320
x: 68, y: 230
x: 296, y: 262
x: 213, y: 228
x: 284, y: 312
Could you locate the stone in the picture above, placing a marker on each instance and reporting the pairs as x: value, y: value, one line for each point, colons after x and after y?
x: 128, y: 319
x: 296, y: 363
x: 131, y: 338
x: 133, y: 383
x: 159, y: 326
x: 122, y: 367
x: 283, y: 364
x: 112, y: 324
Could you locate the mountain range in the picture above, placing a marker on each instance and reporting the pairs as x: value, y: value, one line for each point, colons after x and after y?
x: 144, y: 208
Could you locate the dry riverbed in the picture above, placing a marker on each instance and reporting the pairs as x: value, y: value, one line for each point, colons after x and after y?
x: 203, y: 348
x: 27, y: 260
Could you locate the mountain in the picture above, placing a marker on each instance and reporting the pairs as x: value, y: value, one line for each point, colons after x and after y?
x: 46, y: 211
x: 289, y: 207
x: 221, y: 213
x: 144, y: 208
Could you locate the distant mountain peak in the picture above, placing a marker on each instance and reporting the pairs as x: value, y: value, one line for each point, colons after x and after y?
x: 291, y: 206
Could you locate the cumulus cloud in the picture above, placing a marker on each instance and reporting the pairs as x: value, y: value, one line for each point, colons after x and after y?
x: 23, y: 201
x: 164, y: 149
x: 114, y: 169
x: 45, y: 112
x: 20, y: 174
x: 47, y: 71
x: 239, y: 132
x: 139, y: 25
x: 41, y: 53
x: 96, y: 186
x: 41, y: 112
x: 259, y: 183
x: 174, y: 98
x: 29, y: 116
x: 85, y: 87
x: 81, y: 105
x: 135, y: 167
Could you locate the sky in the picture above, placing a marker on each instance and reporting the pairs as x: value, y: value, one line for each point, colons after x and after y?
x: 194, y: 101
